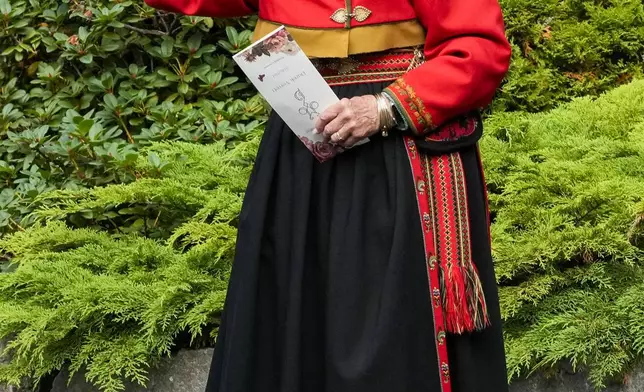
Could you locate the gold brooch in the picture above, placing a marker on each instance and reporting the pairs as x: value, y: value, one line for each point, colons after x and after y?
x: 359, y: 13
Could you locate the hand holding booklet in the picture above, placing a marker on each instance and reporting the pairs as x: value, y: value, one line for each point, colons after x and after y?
x: 293, y: 87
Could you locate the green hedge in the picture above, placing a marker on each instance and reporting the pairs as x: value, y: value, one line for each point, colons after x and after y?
x: 567, y: 190
x: 570, y: 48
x: 85, y: 85
x: 90, y: 91
x: 113, y: 303
x: 567, y: 198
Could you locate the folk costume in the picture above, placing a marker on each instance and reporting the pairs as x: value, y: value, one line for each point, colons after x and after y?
x: 371, y: 272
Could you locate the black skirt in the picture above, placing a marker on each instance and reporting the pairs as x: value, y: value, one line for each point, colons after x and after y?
x: 329, y: 289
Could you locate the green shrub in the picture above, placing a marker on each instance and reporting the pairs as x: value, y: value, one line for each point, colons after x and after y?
x: 115, y: 303
x: 567, y: 190
x: 89, y: 90
x: 567, y: 197
x: 84, y: 85
x: 570, y: 48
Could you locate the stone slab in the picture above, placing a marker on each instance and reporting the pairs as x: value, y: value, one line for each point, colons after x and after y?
x: 185, y: 372
x: 188, y: 372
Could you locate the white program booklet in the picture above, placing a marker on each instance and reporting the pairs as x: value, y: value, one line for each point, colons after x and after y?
x: 292, y: 85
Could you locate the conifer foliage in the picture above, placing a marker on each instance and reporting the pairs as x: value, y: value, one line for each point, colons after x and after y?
x: 566, y: 191
x: 121, y: 225
x: 114, y: 303
x: 570, y: 48
x: 567, y: 199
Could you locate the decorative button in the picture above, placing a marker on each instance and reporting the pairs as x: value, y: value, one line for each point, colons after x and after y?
x: 339, y: 16
x: 359, y: 13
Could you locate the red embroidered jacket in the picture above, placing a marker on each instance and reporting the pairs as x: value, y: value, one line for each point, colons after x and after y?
x: 467, y: 53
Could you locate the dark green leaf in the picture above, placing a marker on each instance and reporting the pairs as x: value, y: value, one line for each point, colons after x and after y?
x: 154, y: 159
x: 166, y: 46
x: 83, y: 33
x: 194, y: 42
x: 86, y: 59
x: 110, y: 100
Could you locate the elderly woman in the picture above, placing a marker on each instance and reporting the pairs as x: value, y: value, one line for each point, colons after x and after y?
x: 371, y: 272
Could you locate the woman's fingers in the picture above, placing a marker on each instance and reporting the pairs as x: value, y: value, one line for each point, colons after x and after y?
x: 338, y: 123
x: 322, y: 121
x: 342, y: 134
x: 354, y: 136
x: 349, y: 121
x: 329, y: 115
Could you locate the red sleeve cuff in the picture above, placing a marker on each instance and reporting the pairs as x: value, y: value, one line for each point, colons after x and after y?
x: 410, y: 106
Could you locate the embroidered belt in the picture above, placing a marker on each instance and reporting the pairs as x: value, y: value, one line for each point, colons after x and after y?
x: 370, y: 67
x: 455, y: 289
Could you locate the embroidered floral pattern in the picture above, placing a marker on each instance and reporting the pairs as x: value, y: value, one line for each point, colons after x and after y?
x: 420, y: 186
x: 440, y: 338
x: 416, y: 113
x: 433, y: 261
x: 427, y: 220
x: 445, y: 371
x: 436, y: 294
x: 411, y: 147
x: 454, y: 130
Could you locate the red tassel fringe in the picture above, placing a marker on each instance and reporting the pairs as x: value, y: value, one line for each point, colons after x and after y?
x: 463, y: 299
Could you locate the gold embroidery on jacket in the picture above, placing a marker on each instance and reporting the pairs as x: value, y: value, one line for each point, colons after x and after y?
x: 413, y: 106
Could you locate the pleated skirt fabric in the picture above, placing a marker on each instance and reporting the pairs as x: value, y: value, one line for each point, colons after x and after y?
x: 329, y: 288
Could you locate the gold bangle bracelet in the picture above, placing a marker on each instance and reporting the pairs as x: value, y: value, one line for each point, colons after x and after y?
x: 385, y: 114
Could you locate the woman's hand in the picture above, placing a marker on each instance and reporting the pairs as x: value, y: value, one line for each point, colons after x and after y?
x: 350, y: 120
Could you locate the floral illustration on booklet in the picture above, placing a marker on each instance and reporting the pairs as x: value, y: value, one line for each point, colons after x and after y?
x: 322, y: 151
x: 279, y: 42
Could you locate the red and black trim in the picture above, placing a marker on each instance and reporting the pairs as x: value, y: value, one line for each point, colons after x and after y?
x: 453, y: 135
x: 411, y: 106
x: 366, y: 68
x: 429, y: 239
x: 443, y: 207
